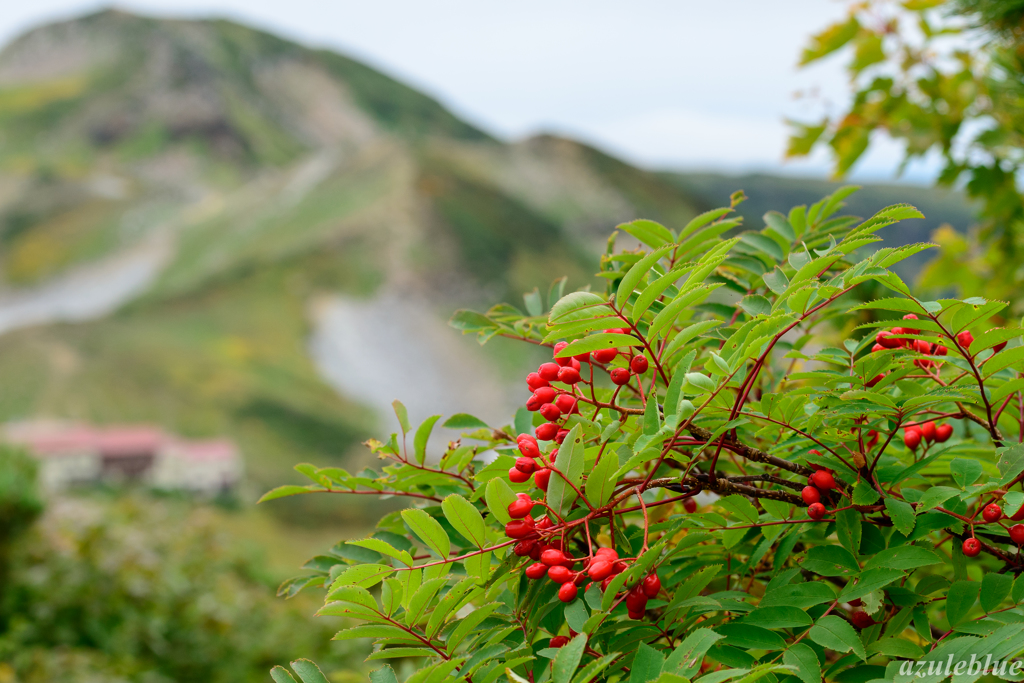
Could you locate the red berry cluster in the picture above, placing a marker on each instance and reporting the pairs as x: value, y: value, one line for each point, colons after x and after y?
x: 819, y: 483
x: 894, y: 339
x: 993, y: 514
x: 928, y: 432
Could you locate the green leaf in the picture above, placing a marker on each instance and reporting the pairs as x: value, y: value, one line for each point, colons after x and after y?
x: 422, y: 436
x: 901, y: 514
x: 749, y: 637
x: 281, y: 675
x: 576, y: 615
x: 362, y: 575
x: 776, y: 280
x: 650, y: 233
x: 831, y: 39
x: 569, y: 462
x: 740, y: 506
x: 777, y: 617
x: 848, y: 529
x: 802, y: 595
x: 830, y: 560
x: 686, y: 659
x: 291, y: 490
x: 1010, y: 462
x: 466, y: 519
x: 869, y: 581
x: 934, y: 497
x: 994, y: 589
x: 635, y: 274
x: 896, y: 647
x: 403, y: 416
x: 755, y: 304
x: 601, y: 481
x: 464, y: 421
x: 308, y: 671
x: 864, y: 493
x: 904, y: 557
x: 575, y: 306
x: 965, y: 472
x: 835, y: 633
x: 647, y: 664
x: 960, y: 599
x: 568, y: 658
x: 429, y: 530
x: 499, y: 496
x: 803, y: 660
x: 383, y: 675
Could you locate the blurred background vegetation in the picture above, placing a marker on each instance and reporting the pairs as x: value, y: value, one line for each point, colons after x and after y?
x: 210, y: 229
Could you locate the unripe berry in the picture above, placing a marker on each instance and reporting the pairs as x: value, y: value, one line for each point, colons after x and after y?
x: 690, y: 505
x: 559, y: 641
x: 636, y: 601
x: 861, y: 619
x: 549, y: 371
x: 528, y: 446
x: 599, y: 570
x: 561, y: 361
x: 823, y: 480
x: 605, y: 355
x: 517, y: 476
x: 815, y: 510
x: 992, y: 513
x: 560, y: 435
x: 524, y: 548
x: 965, y: 339
x: 810, y: 494
x: 541, y: 478
x: 1017, y: 534
x: 928, y: 431
x: 911, y: 438
x: 567, y: 404
x: 546, y: 431
x: 569, y: 375
x: 518, y: 509
x: 620, y: 376
x: 558, y: 573
x: 568, y: 592
x: 536, y: 571
x: 972, y: 547
x: 520, y: 528
x: 550, y: 411
x: 527, y: 465
x: 639, y: 364
x: 943, y: 432
x: 535, y: 381
x: 552, y: 557
x: 651, y: 585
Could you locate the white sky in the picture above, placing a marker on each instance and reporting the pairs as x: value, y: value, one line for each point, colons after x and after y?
x: 675, y: 84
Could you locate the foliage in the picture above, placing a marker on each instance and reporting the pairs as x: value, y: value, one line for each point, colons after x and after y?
x: 944, y: 78
x: 761, y: 370
x: 138, y: 590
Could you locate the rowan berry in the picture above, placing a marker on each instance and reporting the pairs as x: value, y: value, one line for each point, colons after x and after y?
x: 928, y: 431
x: 541, y: 478
x: 568, y: 592
x: 552, y: 557
x: 875, y: 380
x: 569, y: 375
x: 517, y: 476
x: 535, y: 381
x: 907, y: 330
x: 636, y: 615
x: 992, y: 513
x: 998, y: 347
x: 690, y: 505
x: 943, y: 432
x: 887, y: 339
x: 1018, y: 515
x: 549, y: 371
x: 546, y: 431
x: 639, y: 364
x: 972, y: 547
x: 912, y: 438
x: 524, y: 548
x: 1017, y: 534
x: 558, y: 573
x: 599, y: 570
x: 607, y: 552
x: 816, y: 510
x: 940, y: 350
x: 527, y: 465
x: 876, y: 348
x: 560, y: 435
x: 607, y: 582
x: 636, y: 600
x: 823, y: 480
x: 520, y: 528
x: 520, y: 508
x: 567, y: 404
x: 536, y: 571
x: 559, y: 641
x: 528, y: 446
x: 561, y: 361
x: 861, y: 619
x: 550, y: 412
x: 810, y: 494
x: 965, y: 339
x: 605, y: 355
x: 620, y: 376
x: 651, y: 585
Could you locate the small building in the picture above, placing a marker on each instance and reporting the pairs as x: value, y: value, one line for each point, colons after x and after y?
x: 74, y: 454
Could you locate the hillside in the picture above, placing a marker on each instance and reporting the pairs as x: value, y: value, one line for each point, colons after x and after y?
x: 273, y: 228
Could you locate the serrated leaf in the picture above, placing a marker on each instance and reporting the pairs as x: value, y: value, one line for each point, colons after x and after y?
x: 568, y: 659
x: 903, y: 557
x: 308, y: 671
x: 575, y: 306
x: 836, y: 634
x: 466, y: 519
x: 636, y: 273
x: 994, y: 589
x: 901, y: 514
x: 960, y: 599
x: 805, y: 663
x: 429, y: 530
x: 686, y: 659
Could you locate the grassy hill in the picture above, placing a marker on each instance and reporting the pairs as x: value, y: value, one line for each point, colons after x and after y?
x: 279, y: 174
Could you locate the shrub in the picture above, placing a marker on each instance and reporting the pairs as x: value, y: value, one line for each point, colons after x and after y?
x: 735, y: 468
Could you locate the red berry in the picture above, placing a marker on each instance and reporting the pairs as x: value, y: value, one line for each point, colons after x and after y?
x: 876, y: 348
x: 560, y: 436
x: 581, y: 578
x: 549, y: 371
x: 526, y: 465
x: 639, y: 364
x: 541, y: 478
x: 568, y: 592
x: 1018, y: 515
x: 536, y: 571
x: 861, y: 619
x: 607, y: 582
x: 1017, y: 534
x: 875, y: 380
x: 823, y: 480
x: 620, y: 376
x: 561, y: 361
x: 550, y: 412
x: 518, y: 509
x: 620, y: 566
x: 998, y: 347
x: 524, y: 548
x: 566, y: 404
x: 992, y: 513
x: 558, y: 573
x: 546, y: 394
x: 651, y: 585
x: 517, y: 476
x: 569, y: 375
x: 636, y: 601
x: 533, y: 404
x: 559, y: 641
x: 605, y: 355
x: 940, y: 350
x: 528, y: 446
x: 907, y: 330
x: 815, y: 510
x: 599, y: 570
x: 972, y: 547
x: 607, y: 552
x: 912, y: 438
x: 552, y: 557
x: 535, y: 553
x: 928, y: 431
x: 535, y: 381
x: 872, y: 438
x: 965, y: 339
x: 887, y: 339
x: 810, y: 494
x: 922, y: 346
x: 943, y: 432
x: 636, y: 615
x: 690, y: 505
x: 543, y: 522
x: 520, y: 528
x: 546, y: 431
